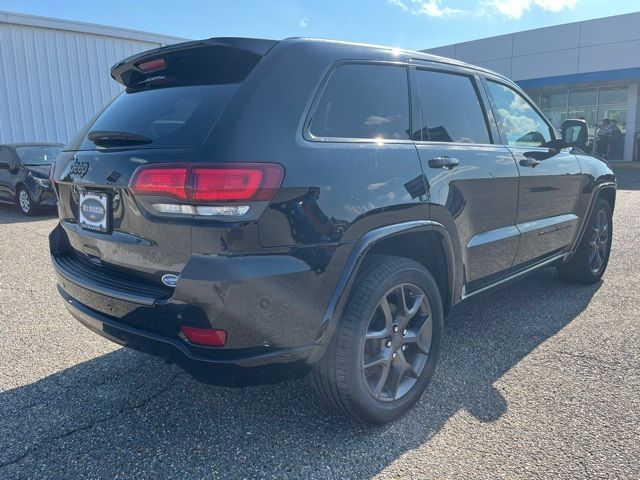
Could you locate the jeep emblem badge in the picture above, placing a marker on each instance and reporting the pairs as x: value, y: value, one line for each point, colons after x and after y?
x: 170, y: 280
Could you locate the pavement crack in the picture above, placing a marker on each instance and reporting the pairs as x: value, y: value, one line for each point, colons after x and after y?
x: 92, y: 424
x: 593, y: 359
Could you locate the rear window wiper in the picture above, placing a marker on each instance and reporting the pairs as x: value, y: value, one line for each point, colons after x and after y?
x: 111, y: 138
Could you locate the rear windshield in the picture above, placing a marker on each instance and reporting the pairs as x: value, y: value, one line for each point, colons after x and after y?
x: 179, y: 116
x: 38, y: 154
x: 173, y: 105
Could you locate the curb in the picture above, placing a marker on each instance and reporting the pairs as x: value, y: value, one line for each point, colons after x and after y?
x: 624, y: 165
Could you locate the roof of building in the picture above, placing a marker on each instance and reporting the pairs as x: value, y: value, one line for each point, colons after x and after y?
x: 31, y: 144
x: 83, y: 27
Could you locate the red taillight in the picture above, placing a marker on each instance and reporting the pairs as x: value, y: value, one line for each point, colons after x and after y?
x: 151, y: 65
x: 169, y: 181
x: 202, y: 183
x: 235, y: 183
x: 205, y: 336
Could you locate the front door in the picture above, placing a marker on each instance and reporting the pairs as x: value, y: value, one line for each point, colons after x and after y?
x: 549, y: 179
x: 6, y: 164
x: 472, y: 183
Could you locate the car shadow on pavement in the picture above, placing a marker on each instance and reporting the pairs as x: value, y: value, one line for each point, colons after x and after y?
x: 9, y: 214
x: 126, y: 414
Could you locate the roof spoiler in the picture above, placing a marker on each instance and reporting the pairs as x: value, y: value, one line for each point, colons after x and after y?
x: 127, y: 71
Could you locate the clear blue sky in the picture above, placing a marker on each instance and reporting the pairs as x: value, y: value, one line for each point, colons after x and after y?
x: 414, y: 24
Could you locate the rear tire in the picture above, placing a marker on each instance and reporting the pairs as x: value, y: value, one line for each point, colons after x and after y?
x: 384, y: 350
x: 24, y: 203
x: 589, y: 262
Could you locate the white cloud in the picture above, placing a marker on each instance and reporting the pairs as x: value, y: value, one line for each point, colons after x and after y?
x: 431, y: 8
x: 399, y: 3
x: 304, y: 22
x: 556, y: 5
x: 515, y: 8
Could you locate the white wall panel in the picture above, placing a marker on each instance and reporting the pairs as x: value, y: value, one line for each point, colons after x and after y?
x: 502, y: 66
x: 550, y: 64
x: 620, y: 28
x: 547, y: 39
x: 611, y: 43
x: 613, y: 56
x: 485, y: 49
x: 449, y: 51
x: 53, y: 81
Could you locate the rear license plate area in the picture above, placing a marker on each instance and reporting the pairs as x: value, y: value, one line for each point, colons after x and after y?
x: 94, y: 212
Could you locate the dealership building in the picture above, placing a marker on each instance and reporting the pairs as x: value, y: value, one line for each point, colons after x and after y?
x: 54, y: 74
x: 587, y: 69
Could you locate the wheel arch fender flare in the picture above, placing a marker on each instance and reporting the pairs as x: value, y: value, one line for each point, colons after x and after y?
x: 354, y: 263
x: 21, y: 184
x: 598, y: 190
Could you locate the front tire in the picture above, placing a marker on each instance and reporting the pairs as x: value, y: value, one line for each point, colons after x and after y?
x: 384, y: 351
x: 589, y: 262
x: 24, y: 202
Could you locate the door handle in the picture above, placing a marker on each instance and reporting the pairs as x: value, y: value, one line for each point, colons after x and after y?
x: 444, y: 162
x: 529, y: 162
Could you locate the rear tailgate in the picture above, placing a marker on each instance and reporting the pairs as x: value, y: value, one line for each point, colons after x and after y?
x: 173, y: 98
x: 134, y: 238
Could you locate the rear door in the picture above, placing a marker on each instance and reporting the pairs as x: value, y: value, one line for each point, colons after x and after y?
x: 7, y: 161
x: 472, y: 183
x: 549, y: 179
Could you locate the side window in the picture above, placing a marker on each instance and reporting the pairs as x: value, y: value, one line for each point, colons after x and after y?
x: 364, y: 101
x: 518, y: 122
x: 6, y: 158
x: 450, y: 110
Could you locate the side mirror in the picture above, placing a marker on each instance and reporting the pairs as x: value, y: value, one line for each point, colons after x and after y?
x: 575, y: 133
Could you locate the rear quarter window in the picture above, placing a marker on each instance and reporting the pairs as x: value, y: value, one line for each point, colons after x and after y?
x: 363, y: 101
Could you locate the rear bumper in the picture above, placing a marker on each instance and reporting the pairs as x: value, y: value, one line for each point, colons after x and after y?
x: 233, y: 369
x: 271, y: 307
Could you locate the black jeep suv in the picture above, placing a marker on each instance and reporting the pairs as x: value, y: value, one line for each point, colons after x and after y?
x: 256, y: 210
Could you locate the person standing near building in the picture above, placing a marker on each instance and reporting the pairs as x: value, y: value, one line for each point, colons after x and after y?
x: 604, y: 138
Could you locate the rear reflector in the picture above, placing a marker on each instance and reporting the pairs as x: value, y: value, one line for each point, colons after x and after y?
x: 204, y: 336
x: 210, y: 183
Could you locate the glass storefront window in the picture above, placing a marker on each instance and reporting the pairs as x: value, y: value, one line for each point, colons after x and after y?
x: 613, y: 95
x: 617, y: 114
x: 589, y: 115
x: 554, y: 100
x: 603, y: 108
x: 583, y: 98
x: 611, y: 132
x: 556, y: 116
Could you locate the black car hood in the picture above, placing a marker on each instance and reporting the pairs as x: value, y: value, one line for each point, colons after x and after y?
x: 41, y: 171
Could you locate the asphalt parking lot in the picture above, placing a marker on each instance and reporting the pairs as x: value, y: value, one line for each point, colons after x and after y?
x: 538, y: 380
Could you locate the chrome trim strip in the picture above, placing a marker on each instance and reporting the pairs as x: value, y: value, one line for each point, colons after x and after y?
x: 543, y: 223
x: 493, y: 236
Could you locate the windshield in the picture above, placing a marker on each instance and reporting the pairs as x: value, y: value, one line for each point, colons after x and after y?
x: 38, y: 155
